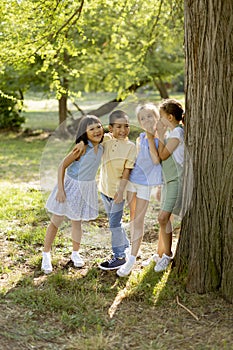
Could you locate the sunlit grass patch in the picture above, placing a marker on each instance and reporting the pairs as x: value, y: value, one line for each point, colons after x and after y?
x: 21, y: 210
x: 19, y: 159
x: 78, y: 302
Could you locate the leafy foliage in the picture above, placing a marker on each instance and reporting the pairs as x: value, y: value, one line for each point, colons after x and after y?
x: 94, y: 45
x: 10, y: 117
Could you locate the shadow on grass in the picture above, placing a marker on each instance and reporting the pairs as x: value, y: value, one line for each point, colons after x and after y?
x: 97, y: 310
x: 76, y: 298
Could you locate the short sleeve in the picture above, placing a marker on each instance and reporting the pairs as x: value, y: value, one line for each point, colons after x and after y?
x: 177, y: 133
x: 130, y: 161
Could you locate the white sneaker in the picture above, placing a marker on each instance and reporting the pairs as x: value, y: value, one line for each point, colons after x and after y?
x: 77, y: 260
x: 46, y: 265
x: 154, y: 258
x: 163, y: 263
x: 125, y: 269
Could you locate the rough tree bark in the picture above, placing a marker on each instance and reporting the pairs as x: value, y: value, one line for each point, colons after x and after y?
x: 205, y: 246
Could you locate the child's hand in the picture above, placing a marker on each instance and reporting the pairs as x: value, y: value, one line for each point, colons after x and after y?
x: 150, y: 136
x: 79, y: 149
x: 61, y: 196
x: 161, y: 129
x: 118, y: 198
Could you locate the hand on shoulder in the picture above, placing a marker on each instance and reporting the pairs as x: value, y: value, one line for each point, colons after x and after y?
x: 79, y: 150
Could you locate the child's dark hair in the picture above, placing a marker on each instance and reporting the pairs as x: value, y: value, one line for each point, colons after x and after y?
x: 82, y: 128
x: 174, y: 107
x: 118, y: 114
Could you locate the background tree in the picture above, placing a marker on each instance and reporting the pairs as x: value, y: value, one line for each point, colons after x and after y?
x: 205, y: 246
x: 95, y: 46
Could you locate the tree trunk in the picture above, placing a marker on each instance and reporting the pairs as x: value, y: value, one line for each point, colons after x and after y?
x: 62, y: 102
x: 205, y: 246
x: 63, y: 132
x: 62, y: 109
x: 161, y: 87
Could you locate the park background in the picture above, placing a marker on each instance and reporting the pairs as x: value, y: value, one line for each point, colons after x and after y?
x: 58, y: 61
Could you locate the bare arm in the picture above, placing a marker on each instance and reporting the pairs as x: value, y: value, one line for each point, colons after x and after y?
x: 165, y: 150
x: 118, y: 198
x: 70, y: 158
x: 79, y: 149
x: 152, y: 148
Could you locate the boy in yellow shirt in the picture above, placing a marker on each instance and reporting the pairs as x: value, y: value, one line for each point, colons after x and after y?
x: 117, y: 161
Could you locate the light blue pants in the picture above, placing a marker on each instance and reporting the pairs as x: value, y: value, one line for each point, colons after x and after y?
x: 119, y: 238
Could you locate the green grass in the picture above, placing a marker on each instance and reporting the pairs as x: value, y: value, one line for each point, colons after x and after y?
x: 87, y: 308
x: 19, y: 158
x: 46, y: 120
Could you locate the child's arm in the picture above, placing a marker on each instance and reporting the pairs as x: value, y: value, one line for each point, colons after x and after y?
x: 153, y: 151
x: 79, y: 149
x: 138, y: 145
x: 70, y: 158
x: 165, y: 150
x: 118, y: 198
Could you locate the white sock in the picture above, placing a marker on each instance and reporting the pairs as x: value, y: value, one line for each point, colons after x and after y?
x: 46, y: 253
x: 132, y: 259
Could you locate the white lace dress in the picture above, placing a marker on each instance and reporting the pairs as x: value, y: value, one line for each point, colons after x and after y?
x: 80, y: 187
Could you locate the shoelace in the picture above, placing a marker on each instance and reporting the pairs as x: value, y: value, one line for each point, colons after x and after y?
x: 163, y: 262
x: 112, y: 260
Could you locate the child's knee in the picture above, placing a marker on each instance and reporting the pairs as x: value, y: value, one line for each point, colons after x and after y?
x: 57, y: 220
x: 163, y: 219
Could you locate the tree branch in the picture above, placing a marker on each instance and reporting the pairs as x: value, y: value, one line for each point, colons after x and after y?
x: 77, y: 12
x: 79, y: 109
x: 109, y: 106
x: 184, y: 307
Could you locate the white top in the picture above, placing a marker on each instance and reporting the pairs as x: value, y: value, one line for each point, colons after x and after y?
x: 178, y: 153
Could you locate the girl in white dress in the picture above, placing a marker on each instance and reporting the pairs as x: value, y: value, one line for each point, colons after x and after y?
x: 75, y: 195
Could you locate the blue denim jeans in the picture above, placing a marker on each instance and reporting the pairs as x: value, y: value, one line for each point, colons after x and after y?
x: 119, y: 238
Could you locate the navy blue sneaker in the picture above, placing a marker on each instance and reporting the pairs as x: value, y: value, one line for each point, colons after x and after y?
x: 112, y: 264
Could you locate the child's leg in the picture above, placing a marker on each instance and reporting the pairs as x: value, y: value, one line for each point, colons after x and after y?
x: 76, y: 240
x: 119, y: 238
x: 158, y: 193
x: 139, y: 208
x: 76, y: 234
x: 52, y: 231
x: 161, y: 248
x: 165, y: 234
x: 131, y: 200
x: 138, y: 224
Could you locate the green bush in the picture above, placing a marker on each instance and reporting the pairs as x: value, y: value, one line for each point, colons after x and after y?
x: 10, y: 114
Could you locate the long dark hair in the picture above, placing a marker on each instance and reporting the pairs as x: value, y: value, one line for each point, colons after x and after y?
x: 82, y: 128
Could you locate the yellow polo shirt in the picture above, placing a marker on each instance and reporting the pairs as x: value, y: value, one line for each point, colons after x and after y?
x: 118, y: 155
